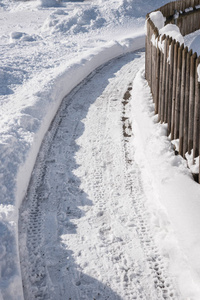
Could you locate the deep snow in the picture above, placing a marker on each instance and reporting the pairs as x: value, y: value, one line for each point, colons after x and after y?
x: 45, y: 52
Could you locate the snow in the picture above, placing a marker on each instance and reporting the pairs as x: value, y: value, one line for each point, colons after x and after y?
x: 192, y: 40
x: 170, y: 30
x: 158, y: 19
x: 47, y: 48
x: 173, y: 31
x: 177, y: 204
x: 97, y: 222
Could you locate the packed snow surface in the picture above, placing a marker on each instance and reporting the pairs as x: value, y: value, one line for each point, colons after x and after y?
x: 158, y: 19
x: 84, y: 228
x: 47, y: 49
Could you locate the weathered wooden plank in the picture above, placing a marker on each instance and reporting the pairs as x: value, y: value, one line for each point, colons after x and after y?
x: 177, y: 45
x: 167, y: 81
x: 191, y: 102
x: 186, y: 105
x: 171, y: 75
x: 163, y: 86
x: 146, y: 50
x: 161, y: 78
x: 196, y: 114
x: 182, y: 100
x: 158, y: 55
x: 178, y: 93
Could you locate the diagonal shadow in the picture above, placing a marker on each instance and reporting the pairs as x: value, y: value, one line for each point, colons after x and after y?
x: 53, y: 203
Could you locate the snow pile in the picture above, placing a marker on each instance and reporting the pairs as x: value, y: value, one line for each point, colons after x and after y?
x: 173, y: 31
x: 77, y: 21
x: 178, y: 196
x: 158, y: 19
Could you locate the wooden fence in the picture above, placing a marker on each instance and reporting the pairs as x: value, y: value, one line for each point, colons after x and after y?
x: 171, y: 72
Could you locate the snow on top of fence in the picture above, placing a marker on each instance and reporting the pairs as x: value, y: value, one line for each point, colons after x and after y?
x: 173, y: 31
x: 158, y: 19
x: 189, y: 9
x: 170, y: 30
x: 198, y: 72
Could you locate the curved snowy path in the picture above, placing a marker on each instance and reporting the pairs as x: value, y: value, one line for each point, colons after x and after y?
x: 84, y: 228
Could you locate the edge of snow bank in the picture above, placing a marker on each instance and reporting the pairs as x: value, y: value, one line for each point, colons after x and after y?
x: 61, y: 85
x: 33, y: 117
x: 175, y: 200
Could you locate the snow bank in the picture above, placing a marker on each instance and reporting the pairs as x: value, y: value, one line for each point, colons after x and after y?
x: 178, y: 196
x: 29, y: 128
x: 46, y: 101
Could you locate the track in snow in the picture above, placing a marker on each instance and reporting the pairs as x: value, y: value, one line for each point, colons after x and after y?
x: 84, y: 229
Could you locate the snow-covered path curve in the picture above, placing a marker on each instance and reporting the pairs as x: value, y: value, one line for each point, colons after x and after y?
x: 84, y: 228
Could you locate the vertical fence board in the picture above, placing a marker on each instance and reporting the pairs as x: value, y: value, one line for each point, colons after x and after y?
x: 186, y: 106
x: 178, y: 93
x: 146, y: 49
x: 191, y: 102
x: 157, y: 77
x: 167, y: 80
x: 161, y: 77
x: 177, y: 45
x: 150, y: 55
x: 196, y: 114
x: 169, y: 114
x: 163, y: 87
x: 182, y: 100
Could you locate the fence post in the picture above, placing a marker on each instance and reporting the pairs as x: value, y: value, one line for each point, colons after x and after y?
x: 161, y: 78
x: 154, y: 62
x: 146, y: 48
x: 163, y: 87
x: 182, y: 100
x: 186, y: 106
x: 147, y: 73
x: 158, y: 54
x: 178, y: 93
x: 150, y: 54
x: 167, y: 80
x: 169, y: 114
x: 191, y: 102
x: 177, y: 45
x: 196, y: 114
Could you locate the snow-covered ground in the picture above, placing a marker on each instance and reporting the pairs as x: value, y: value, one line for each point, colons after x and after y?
x: 47, y: 48
x: 84, y: 227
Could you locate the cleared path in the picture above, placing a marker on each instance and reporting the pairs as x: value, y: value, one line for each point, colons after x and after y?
x: 84, y: 227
